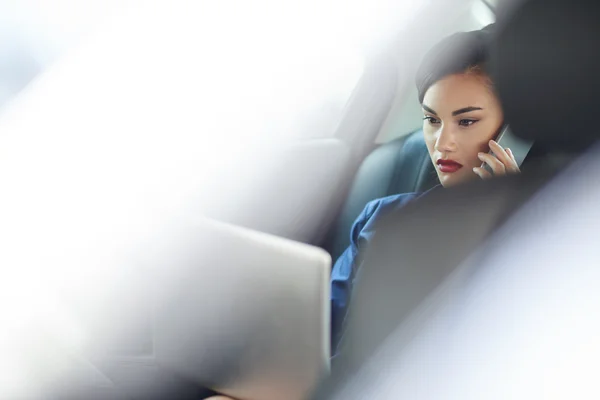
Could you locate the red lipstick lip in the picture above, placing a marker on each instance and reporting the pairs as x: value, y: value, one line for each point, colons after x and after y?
x: 448, y: 166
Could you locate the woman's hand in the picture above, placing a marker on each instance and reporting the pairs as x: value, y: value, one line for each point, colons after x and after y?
x: 502, y: 162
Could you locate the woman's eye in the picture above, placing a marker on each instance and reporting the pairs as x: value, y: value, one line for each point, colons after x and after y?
x: 431, y: 120
x: 466, y: 122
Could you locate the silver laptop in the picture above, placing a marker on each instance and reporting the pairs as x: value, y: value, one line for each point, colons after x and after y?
x: 241, y: 312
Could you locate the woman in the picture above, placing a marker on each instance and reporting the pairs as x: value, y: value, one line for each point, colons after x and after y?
x: 462, y: 116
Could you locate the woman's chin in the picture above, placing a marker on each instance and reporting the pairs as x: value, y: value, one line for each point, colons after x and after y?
x: 454, y: 178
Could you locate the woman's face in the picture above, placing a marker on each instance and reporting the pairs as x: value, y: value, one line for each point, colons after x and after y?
x: 461, y: 116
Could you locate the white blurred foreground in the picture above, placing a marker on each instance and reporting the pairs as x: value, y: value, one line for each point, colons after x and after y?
x: 140, y: 126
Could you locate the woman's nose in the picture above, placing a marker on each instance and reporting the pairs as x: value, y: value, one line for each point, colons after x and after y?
x: 445, y: 141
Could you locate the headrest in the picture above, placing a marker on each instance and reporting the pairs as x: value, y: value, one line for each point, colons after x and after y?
x: 544, y: 63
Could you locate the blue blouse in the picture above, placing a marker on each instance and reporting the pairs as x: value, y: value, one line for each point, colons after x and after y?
x: 344, y: 273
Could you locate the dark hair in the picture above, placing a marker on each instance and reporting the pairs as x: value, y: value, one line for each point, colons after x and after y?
x: 462, y: 52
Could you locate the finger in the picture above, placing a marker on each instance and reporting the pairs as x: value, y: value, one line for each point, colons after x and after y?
x: 482, y: 172
x: 497, y: 167
x: 510, y: 153
x: 500, y: 153
x: 509, y: 162
x: 515, y: 166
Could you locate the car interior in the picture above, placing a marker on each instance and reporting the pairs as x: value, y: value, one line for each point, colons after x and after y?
x: 486, y: 319
x: 376, y: 150
x: 304, y: 174
x: 309, y: 183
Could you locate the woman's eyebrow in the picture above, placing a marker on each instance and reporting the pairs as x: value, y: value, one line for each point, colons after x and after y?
x: 428, y: 109
x: 464, y: 110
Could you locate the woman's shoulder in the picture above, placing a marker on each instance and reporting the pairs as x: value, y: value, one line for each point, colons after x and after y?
x: 378, y: 207
x: 374, y: 209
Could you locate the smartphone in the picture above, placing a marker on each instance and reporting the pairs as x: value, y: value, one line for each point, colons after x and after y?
x: 519, y: 147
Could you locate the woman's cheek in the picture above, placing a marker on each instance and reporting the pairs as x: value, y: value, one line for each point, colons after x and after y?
x: 428, y: 136
x: 480, y: 142
x: 430, y: 143
x: 489, y: 133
